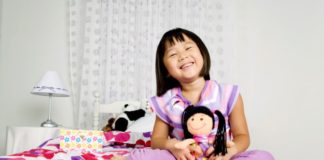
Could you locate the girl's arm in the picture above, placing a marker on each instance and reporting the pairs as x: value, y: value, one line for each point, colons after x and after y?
x: 160, y: 135
x: 239, y: 126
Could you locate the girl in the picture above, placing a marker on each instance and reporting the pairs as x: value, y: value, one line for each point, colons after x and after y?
x: 182, y: 76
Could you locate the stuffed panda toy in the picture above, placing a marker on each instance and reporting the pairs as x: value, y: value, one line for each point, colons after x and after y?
x: 130, y: 115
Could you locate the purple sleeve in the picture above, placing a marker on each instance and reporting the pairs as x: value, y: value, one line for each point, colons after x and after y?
x: 232, y: 99
x: 159, y: 108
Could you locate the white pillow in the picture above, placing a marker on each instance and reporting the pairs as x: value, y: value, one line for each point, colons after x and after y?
x: 144, y: 124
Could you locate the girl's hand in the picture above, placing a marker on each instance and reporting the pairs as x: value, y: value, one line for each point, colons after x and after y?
x: 182, y: 150
x: 195, y: 150
x: 231, y: 151
x: 182, y: 154
x: 184, y: 144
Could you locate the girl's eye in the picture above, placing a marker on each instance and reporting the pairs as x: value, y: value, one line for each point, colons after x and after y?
x: 192, y: 119
x: 188, y: 48
x: 201, y: 119
x: 172, y: 54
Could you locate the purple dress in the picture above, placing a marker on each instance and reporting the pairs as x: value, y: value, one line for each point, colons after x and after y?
x: 169, y: 108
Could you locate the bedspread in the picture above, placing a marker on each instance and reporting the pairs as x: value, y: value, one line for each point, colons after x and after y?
x: 117, y: 145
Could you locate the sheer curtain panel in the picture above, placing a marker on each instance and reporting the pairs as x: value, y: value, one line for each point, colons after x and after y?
x: 112, y: 45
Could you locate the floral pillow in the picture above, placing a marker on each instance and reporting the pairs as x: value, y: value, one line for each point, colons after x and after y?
x: 128, y: 139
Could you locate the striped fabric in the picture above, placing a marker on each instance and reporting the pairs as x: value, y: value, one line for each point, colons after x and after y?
x: 215, y: 96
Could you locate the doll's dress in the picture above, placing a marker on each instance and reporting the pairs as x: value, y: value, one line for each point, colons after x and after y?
x: 203, y: 141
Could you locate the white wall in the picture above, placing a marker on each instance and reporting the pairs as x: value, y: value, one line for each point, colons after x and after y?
x: 278, y: 57
x: 33, y: 40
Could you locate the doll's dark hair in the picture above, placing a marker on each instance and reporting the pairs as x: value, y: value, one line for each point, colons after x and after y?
x: 219, y: 143
x: 165, y: 82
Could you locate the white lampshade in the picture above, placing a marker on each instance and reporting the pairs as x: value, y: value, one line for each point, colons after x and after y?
x: 50, y: 84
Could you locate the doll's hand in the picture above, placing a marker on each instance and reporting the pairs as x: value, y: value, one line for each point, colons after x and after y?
x: 231, y: 151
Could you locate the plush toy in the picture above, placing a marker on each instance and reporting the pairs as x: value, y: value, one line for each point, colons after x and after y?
x: 121, y: 122
x: 108, y: 126
x: 198, y: 127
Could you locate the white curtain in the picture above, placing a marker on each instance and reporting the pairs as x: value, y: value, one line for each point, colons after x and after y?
x: 112, y: 45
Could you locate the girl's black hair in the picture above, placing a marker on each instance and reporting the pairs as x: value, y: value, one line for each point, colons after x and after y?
x: 165, y: 82
x: 219, y: 143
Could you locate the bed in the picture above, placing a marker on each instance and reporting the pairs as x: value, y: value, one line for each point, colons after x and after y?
x: 115, y: 144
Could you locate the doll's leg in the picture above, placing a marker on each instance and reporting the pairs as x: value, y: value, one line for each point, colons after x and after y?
x: 253, y: 155
x: 150, y: 154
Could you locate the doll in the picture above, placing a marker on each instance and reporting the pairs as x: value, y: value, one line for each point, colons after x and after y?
x: 198, y: 128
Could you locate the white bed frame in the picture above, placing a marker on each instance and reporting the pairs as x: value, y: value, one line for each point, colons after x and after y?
x: 113, y: 108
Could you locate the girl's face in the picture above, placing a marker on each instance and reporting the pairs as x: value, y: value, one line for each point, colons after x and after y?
x: 183, y: 60
x: 200, y: 124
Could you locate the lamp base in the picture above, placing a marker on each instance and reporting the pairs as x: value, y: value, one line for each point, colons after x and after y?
x: 49, y: 123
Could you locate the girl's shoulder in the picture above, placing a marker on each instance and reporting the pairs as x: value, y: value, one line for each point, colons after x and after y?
x: 214, y: 87
x: 157, y: 102
x: 220, y: 96
x: 168, y: 107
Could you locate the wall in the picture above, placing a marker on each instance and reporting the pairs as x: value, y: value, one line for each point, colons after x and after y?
x: 279, y: 55
x: 33, y: 40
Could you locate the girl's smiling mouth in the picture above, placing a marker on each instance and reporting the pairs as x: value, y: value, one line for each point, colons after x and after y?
x: 186, y: 65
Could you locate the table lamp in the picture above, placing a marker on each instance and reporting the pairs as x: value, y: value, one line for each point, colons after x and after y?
x: 50, y: 85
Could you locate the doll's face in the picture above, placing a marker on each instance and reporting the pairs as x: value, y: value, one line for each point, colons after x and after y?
x: 200, y: 123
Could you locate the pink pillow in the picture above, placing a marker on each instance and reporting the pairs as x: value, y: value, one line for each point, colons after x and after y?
x: 128, y: 139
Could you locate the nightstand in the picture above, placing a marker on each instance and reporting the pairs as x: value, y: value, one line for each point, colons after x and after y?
x: 25, y: 138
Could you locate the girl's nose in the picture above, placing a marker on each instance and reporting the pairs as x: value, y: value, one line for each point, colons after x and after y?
x: 183, y: 56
